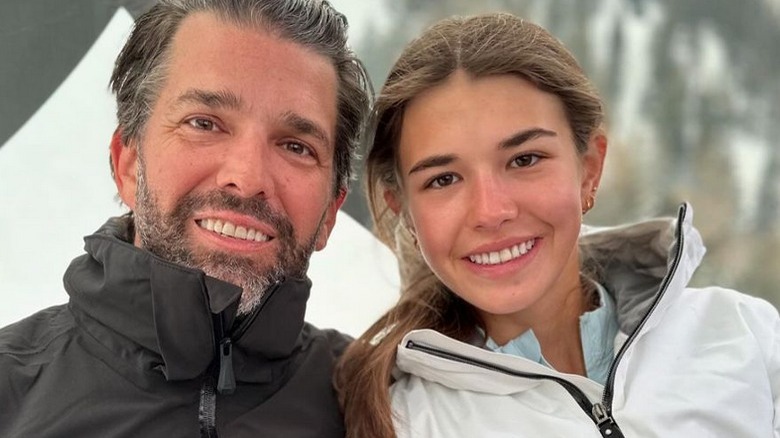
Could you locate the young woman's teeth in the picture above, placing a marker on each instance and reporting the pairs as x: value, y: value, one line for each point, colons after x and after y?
x: 503, y: 256
x: 228, y: 229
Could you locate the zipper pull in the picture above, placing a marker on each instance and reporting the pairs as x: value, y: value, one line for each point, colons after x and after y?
x: 606, y: 424
x: 227, y: 380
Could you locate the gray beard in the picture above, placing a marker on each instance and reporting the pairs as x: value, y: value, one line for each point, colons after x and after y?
x: 165, y: 235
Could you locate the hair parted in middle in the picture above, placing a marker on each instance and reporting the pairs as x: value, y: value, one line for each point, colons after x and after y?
x: 140, y: 70
x: 483, y: 45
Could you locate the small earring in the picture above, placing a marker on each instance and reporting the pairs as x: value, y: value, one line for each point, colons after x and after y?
x: 588, y: 205
x: 590, y: 201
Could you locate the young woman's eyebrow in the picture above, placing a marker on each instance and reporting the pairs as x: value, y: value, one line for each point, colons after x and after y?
x: 524, y: 136
x: 432, y: 161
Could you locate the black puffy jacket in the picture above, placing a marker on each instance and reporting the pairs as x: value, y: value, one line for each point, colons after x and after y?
x: 147, y: 348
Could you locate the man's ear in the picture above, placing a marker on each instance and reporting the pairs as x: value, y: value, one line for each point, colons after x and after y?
x: 593, y: 164
x: 124, y: 162
x: 330, y: 220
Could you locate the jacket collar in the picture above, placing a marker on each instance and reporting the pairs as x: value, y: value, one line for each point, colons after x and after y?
x: 645, y: 265
x: 171, y: 313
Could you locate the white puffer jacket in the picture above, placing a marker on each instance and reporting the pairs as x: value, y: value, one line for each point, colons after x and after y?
x: 689, y: 362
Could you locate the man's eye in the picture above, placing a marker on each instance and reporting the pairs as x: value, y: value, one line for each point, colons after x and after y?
x: 524, y: 160
x: 298, y: 148
x: 442, y: 181
x: 202, y: 124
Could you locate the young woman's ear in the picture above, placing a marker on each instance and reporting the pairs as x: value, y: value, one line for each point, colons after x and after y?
x: 592, y: 167
x: 395, y: 204
x: 392, y: 200
x: 124, y: 163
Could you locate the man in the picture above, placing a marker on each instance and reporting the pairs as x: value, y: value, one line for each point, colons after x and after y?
x: 237, y: 121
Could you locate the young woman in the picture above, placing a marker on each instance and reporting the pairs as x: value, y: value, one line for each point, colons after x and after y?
x: 514, y: 319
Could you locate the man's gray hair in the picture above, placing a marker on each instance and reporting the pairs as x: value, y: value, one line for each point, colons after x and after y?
x: 140, y: 70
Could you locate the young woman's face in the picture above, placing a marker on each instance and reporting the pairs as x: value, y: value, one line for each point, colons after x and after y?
x: 494, y: 189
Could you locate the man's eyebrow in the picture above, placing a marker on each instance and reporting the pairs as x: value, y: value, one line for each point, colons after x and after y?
x: 213, y: 99
x: 303, y: 125
x: 432, y: 161
x: 521, y: 137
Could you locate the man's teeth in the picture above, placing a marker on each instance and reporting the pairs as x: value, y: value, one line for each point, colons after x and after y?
x: 226, y: 228
x: 503, y: 256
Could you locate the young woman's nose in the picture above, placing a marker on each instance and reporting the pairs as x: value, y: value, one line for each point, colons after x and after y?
x: 246, y: 169
x: 491, y: 203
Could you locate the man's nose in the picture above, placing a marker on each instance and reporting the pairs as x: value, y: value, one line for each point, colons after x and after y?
x: 246, y: 169
x: 492, y: 203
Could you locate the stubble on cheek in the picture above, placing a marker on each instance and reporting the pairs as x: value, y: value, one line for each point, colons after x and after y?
x: 166, y: 235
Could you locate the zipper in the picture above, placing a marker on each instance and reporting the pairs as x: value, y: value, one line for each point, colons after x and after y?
x: 610, y: 428
x: 226, y: 381
x: 219, y: 379
x: 605, y: 422
x: 223, y: 374
x: 606, y: 399
x: 247, y: 322
x: 207, y: 408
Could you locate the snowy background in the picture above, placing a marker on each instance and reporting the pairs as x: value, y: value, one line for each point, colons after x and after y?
x: 693, y: 101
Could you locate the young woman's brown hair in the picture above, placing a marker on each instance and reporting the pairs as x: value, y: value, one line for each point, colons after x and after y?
x: 480, y: 46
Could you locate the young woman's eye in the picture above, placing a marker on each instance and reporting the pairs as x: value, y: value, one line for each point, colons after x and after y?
x: 202, y: 124
x: 442, y: 181
x: 525, y: 160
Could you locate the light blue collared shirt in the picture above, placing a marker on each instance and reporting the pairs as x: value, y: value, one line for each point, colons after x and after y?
x: 598, y: 329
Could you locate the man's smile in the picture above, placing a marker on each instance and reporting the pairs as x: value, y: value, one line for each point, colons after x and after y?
x: 229, y: 229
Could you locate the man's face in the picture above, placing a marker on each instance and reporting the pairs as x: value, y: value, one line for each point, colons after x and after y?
x: 234, y: 173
